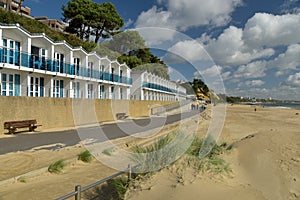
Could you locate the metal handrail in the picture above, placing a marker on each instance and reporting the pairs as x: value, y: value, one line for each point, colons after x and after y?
x: 79, y: 189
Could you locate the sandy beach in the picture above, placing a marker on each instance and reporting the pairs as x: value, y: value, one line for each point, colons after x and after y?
x: 264, y: 160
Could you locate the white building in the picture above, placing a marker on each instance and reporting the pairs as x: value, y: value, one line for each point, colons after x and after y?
x: 147, y: 86
x: 35, y: 65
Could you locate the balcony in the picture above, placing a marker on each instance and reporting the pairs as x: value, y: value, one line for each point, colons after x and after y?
x: 50, y: 65
x: 158, y: 87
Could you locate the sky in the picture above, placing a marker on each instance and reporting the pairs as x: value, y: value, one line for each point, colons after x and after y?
x: 239, y: 47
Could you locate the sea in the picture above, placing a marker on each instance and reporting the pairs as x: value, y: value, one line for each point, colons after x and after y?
x: 280, y: 105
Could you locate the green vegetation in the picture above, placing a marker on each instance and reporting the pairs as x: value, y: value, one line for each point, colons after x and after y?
x: 85, y: 156
x: 120, y: 185
x: 125, y: 42
x: 188, y: 87
x: 157, y: 155
x: 211, y: 163
x: 199, y: 87
x: 57, y: 167
x: 34, y: 26
x: 132, y: 50
x: 22, y: 179
x: 87, y: 18
x: 104, y: 51
x: 155, y: 68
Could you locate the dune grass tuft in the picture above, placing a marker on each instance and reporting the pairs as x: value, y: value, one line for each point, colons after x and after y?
x: 57, y: 167
x: 85, y: 156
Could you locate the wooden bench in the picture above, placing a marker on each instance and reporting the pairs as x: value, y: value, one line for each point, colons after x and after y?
x: 121, y: 116
x: 13, y: 125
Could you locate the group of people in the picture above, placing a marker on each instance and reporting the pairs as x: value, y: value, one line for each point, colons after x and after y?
x: 197, y: 106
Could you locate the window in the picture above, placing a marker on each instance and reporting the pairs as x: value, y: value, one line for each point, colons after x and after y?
x: 112, y: 74
x: 102, y: 72
x: 58, y: 88
x: 121, y: 93
x: 102, y: 92
x: 36, y: 87
x: 90, y: 69
x: 10, y: 84
x: 90, y: 91
x: 112, y: 92
x: 38, y: 58
x: 11, y: 52
x: 76, y: 90
x: 43, y: 55
x: 76, y: 66
x: 59, y: 62
x: 121, y: 76
x: 4, y: 51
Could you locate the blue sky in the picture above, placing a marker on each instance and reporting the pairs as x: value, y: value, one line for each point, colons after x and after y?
x: 239, y: 47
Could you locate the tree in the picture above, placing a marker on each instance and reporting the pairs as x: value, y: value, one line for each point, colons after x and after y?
x: 20, y: 3
x: 76, y: 13
x: 131, y: 61
x: 104, y: 51
x: 155, y: 68
x: 200, y: 87
x: 125, y: 42
x: 188, y: 87
x: 87, y: 18
x: 107, y: 21
x: 135, y: 53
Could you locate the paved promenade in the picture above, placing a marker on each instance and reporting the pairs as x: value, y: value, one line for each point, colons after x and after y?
x: 24, y: 141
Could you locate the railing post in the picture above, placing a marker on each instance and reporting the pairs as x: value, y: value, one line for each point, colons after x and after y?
x: 78, y: 192
x: 129, y: 172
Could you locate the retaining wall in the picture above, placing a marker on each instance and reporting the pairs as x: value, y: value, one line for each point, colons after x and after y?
x: 66, y: 112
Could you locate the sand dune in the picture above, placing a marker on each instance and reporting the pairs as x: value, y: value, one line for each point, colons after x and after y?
x: 265, y: 161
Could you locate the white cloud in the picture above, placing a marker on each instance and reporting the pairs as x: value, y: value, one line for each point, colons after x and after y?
x: 293, y: 80
x: 184, y: 14
x: 272, y: 30
x: 226, y: 75
x: 254, y: 83
x: 291, y: 6
x: 289, y: 60
x: 190, y: 50
x: 128, y: 23
x: 155, y: 17
x: 252, y: 70
x: 188, y: 13
x: 212, y: 72
x: 230, y: 49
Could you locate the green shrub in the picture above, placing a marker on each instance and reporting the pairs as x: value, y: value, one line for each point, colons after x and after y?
x: 34, y: 26
x: 120, y: 185
x: 85, y: 156
x: 56, y: 167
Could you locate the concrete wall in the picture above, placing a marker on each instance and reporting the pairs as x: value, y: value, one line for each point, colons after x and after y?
x: 65, y: 112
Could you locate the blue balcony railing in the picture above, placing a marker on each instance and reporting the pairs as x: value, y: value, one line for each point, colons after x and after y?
x: 158, y: 87
x: 42, y: 63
